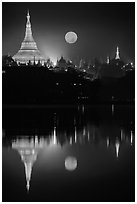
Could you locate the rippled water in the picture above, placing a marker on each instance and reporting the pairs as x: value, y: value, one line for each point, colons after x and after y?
x: 70, y: 153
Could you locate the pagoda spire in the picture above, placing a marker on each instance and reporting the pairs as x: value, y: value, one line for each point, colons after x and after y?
x: 117, y: 53
x: 28, y: 170
x: 28, y: 20
x: 28, y: 13
x: 28, y: 156
x: 28, y: 32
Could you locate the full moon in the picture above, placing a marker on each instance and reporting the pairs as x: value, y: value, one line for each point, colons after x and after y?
x: 71, y: 37
x: 70, y: 163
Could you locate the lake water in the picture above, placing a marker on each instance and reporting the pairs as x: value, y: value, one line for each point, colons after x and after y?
x: 69, y: 153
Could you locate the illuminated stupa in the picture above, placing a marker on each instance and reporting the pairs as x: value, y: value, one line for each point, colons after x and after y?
x: 117, y: 54
x: 28, y: 52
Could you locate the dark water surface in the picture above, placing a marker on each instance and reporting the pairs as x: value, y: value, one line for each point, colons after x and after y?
x: 69, y: 153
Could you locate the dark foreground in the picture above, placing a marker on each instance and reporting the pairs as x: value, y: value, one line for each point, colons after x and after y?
x: 76, y: 153
x: 38, y: 86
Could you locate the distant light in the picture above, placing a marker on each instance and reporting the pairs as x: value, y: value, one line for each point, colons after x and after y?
x: 83, y: 109
x: 54, y: 136
x: 131, y: 63
x: 131, y: 140
x: 84, y: 131
x: 88, y: 135
x: 121, y: 133
x: 75, y: 134
x: 54, y: 63
x: 112, y: 108
x: 70, y: 141
x: 36, y: 139
x: 117, y: 145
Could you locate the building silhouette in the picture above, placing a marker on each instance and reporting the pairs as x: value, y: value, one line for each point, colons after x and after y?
x: 62, y: 64
x: 28, y: 53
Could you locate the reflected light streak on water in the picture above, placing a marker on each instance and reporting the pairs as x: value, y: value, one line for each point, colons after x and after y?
x: 113, y: 109
x: 131, y: 140
x: 117, y: 145
x: 107, y: 141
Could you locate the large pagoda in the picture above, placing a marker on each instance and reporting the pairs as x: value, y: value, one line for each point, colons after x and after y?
x: 28, y: 52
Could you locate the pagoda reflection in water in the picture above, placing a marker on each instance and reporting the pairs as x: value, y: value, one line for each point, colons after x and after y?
x: 30, y: 146
x: 28, y: 150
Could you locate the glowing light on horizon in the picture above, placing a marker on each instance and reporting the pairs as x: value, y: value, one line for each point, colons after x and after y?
x: 53, y: 48
x: 54, y: 63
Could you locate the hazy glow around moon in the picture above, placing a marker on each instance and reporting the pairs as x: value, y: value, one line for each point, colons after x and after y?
x: 70, y: 163
x: 71, y: 37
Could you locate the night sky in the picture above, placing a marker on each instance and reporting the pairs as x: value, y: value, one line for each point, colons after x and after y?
x: 100, y: 28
